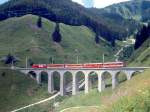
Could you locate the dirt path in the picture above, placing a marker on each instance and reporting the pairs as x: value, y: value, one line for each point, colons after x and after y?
x: 48, y: 99
x: 79, y: 107
x: 117, y: 54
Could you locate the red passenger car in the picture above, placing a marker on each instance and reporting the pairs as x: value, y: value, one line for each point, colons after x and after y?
x: 85, y: 65
x: 39, y: 66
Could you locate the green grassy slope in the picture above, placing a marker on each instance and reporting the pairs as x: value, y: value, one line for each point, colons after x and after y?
x: 128, y: 97
x: 17, y: 90
x: 22, y: 38
x: 141, y: 57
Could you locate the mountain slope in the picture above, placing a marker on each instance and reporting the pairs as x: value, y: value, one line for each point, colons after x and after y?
x: 129, y: 14
x: 135, y: 9
x: 17, y: 90
x: 65, y: 11
x: 129, y: 96
x: 22, y: 38
x: 141, y: 57
x: 130, y: 26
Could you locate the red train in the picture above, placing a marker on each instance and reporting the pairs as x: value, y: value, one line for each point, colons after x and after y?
x: 85, y: 65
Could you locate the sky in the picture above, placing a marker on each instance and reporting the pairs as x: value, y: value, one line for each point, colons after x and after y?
x: 98, y: 3
x: 88, y: 3
x: 2, y: 1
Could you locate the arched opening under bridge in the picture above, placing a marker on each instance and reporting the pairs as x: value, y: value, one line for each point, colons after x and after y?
x: 32, y: 74
x: 135, y: 73
x: 80, y: 76
x: 44, y: 77
x: 120, y: 77
x: 56, y: 80
x: 106, y: 80
x: 68, y: 82
x: 93, y: 80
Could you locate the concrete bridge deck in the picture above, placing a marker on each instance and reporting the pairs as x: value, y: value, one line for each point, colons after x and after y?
x: 120, y: 68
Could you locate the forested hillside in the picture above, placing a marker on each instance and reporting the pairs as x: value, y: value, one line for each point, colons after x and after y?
x: 135, y: 9
x: 142, y: 36
x: 68, y: 12
x: 141, y: 57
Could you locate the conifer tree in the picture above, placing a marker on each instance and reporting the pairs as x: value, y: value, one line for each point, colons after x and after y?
x: 39, y: 22
x: 56, y: 34
x: 97, y: 39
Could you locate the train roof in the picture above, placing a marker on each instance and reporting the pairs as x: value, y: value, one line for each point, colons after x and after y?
x: 105, y: 62
x: 88, y: 63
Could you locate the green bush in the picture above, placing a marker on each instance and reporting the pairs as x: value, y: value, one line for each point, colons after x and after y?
x: 138, y: 103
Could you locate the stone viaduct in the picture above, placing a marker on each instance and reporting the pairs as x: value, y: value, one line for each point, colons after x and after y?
x: 129, y: 71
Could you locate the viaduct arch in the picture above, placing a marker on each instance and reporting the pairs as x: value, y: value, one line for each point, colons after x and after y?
x: 74, y: 84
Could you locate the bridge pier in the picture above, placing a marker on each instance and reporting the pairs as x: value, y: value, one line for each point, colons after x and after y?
x: 38, y: 77
x: 50, y: 82
x: 100, y: 85
x: 86, y: 83
x: 129, y: 74
x: 62, y: 84
x: 114, y: 80
x: 101, y: 82
x: 74, y: 84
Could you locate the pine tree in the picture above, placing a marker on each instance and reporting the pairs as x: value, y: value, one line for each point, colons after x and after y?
x: 39, y: 22
x: 97, y: 39
x: 113, y: 43
x: 10, y: 59
x: 56, y: 34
